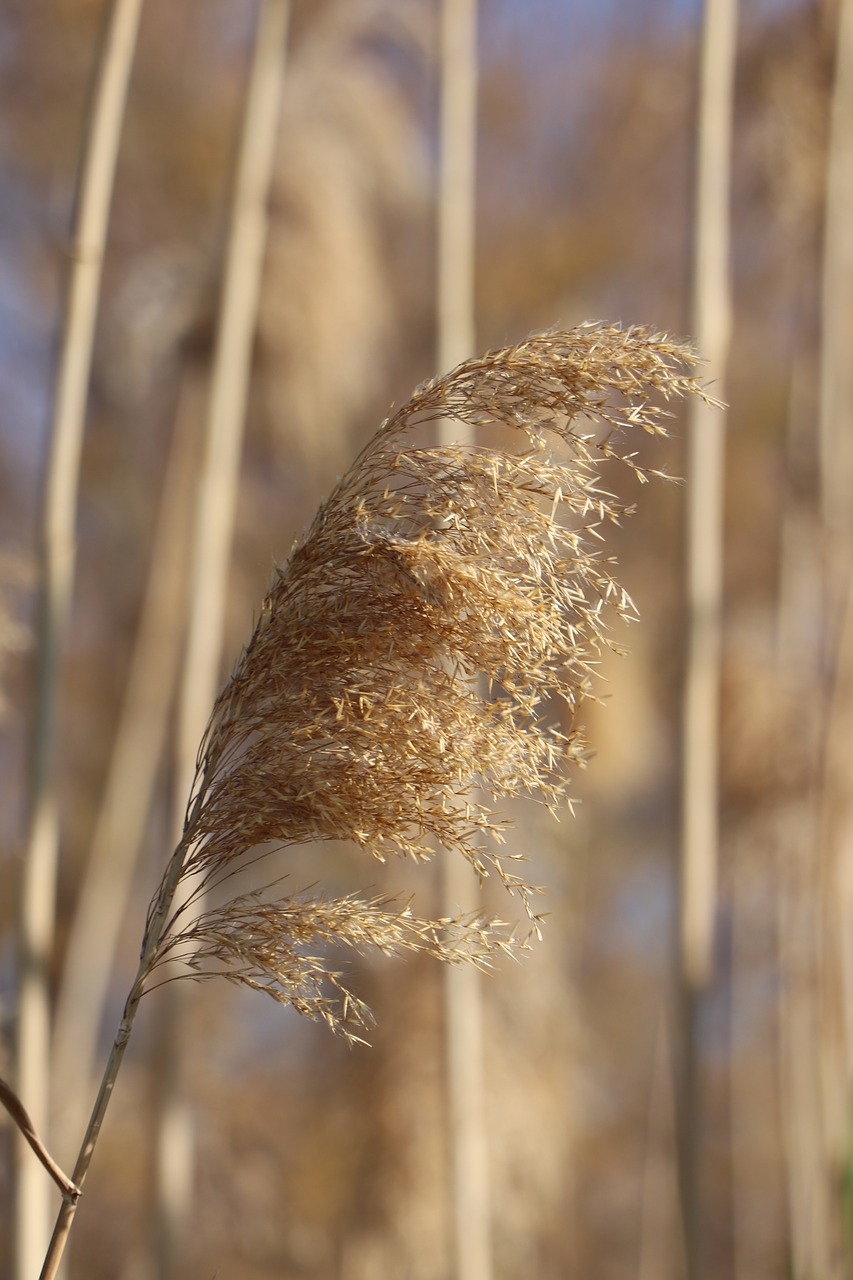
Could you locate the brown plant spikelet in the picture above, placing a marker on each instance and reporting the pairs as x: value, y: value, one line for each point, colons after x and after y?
x: 393, y: 691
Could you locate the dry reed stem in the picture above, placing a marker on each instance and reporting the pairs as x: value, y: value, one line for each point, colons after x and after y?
x: 353, y: 713
x: 700, y: 796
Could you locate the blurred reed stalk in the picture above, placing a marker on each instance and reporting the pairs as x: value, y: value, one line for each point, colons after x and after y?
x: 816, y: 664
x: 404, y: 654
x: 210, y: 559
x: 57, y: 556
x: 834, y: 895
x: 836, y: 374
x: 711, y: 325
x: 836, y: 448
x: 137, y: 751
x: 797, y: 873
x: 799, y: 882
x: 467, y: 1128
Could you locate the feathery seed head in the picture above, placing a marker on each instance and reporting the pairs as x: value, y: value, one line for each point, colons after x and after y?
x: 393, y: 691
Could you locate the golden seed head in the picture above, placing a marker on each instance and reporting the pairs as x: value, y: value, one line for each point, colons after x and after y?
x: 394, y: 690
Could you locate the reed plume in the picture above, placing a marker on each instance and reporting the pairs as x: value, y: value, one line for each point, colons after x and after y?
x: 394, y: 691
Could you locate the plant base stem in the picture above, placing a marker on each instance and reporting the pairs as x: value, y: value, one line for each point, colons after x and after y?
x: 58, y: 1240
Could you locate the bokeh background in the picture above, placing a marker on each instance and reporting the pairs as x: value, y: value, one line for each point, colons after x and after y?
x: 309, y: 1158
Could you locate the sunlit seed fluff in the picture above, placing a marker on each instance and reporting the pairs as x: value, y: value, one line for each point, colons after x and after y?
x: 394, y: 690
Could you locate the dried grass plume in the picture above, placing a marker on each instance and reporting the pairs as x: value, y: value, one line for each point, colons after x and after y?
x: 393, y: 693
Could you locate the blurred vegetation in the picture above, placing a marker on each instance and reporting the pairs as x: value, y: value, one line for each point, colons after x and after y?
x: 314, y: 1160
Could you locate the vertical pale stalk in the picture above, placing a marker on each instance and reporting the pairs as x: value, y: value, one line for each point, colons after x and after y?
x: 213, y: 534
x: 57, y: 554
x: 817, y: 665
x: 463, y: 999
x: 836, y: 369
x: 836, y: 459
x: 797, y: 839
x: 835, y: 815
x: 711, y: 320
x: 129, y: 787
x: 457, y: 188
x: 218, y: 479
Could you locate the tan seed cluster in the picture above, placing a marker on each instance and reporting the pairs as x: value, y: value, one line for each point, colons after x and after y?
x: 401, y: 678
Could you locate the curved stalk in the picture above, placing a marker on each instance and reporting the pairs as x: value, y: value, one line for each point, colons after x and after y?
x: 20, y: 1115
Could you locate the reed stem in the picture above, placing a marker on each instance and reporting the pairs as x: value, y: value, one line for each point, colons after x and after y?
x: 158, y: 921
